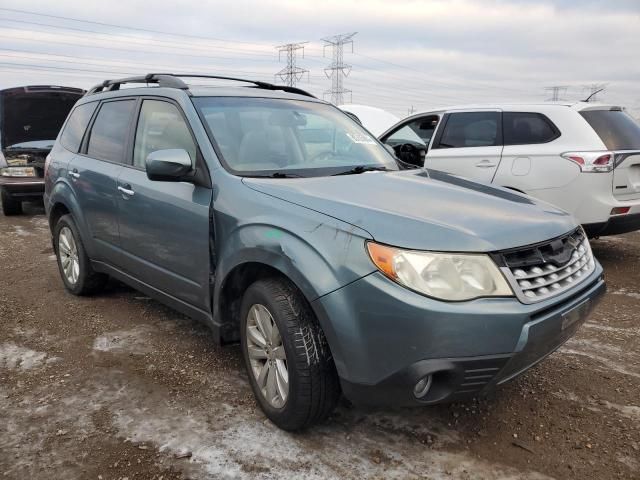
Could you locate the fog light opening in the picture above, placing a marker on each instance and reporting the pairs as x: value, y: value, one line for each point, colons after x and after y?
x: 422, y: 387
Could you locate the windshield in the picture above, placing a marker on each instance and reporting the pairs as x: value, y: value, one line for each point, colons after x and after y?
x: 263, y: 136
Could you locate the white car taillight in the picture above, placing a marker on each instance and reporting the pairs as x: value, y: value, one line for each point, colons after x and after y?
x: 592, y: 162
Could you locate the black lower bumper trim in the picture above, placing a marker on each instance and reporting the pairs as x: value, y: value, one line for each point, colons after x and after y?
x: 614, y: 226
x: 452, y: 379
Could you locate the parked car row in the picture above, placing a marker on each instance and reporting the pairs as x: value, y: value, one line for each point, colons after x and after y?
x: 582, y: 157
x: 283, y: 224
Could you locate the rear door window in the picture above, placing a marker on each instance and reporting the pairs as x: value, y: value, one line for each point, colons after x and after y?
x: 73, y: 132
x: 617, y: 129
x: 471, y: 129
x: 110, y: 131
x: 527, y: 128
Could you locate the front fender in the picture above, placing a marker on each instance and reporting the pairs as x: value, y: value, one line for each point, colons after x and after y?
x: 327, y: 255
x: 324, y: 258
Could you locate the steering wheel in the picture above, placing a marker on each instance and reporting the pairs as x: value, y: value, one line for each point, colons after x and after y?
x: 409, y: 153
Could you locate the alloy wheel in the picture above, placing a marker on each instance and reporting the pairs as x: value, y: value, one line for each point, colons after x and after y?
x: 68, y: 252
x: 267, y: 356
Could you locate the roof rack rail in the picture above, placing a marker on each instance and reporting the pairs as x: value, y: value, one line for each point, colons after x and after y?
x: 173, y: 80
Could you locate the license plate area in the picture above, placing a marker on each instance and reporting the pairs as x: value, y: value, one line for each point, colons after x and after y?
x: 575, y: 314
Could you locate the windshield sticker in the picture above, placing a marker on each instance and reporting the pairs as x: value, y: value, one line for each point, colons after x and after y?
x: 357, y: 137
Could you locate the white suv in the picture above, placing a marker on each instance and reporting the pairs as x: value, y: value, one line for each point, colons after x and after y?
x: 584, y: 158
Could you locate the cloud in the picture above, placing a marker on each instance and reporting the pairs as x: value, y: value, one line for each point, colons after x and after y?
x: 406, y: 52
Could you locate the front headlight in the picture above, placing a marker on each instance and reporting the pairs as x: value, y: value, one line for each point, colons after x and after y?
x: 18, y: 172
x: 445, y: 276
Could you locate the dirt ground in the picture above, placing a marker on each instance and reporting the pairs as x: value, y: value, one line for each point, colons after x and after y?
x: 118, y: 386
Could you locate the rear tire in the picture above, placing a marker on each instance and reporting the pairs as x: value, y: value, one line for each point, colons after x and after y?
x: 313, y: 389
x: 75, y: 266
x: 10, y: 206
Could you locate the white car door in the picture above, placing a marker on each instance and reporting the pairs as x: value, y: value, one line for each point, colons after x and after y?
x: 468, y: 144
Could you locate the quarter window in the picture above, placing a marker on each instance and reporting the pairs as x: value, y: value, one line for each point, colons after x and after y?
x: 71, y: 137
x: 525, y: 128
x: 110, y: 131
x: 161, y: 127
x: 471, y: 129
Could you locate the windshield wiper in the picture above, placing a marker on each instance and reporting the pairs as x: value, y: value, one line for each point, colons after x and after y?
x: 361, y: 169
x: 285, y: 175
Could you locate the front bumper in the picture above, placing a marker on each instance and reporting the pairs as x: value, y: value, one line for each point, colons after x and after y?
x: 23, y: 187
x: 385, y: 338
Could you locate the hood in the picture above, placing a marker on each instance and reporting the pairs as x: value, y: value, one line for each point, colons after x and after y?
x: 410, y: 210
x: 29, y: 114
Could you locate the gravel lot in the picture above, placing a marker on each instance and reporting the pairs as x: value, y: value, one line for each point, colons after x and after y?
x: 119, y: 386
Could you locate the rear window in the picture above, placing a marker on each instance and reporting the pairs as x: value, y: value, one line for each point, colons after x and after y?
x: 617, y: 129
x: 110, y: 131
x: 527, y: 128
x: 76, y: 125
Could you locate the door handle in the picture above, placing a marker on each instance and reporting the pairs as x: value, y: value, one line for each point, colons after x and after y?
x: 485, y: 164
x: 126, y: 190
x: 74, y: 173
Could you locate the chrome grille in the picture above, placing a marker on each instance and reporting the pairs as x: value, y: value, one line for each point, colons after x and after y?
x: 544, y: 271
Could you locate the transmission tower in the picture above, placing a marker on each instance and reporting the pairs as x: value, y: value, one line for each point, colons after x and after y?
x: 594, y: 89
x: 556, y: 92
x: 291, y: 73
x: 338, y: 70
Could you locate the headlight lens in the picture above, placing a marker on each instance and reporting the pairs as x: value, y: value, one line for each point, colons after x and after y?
x: 446, y: 276
x: 18, y: 172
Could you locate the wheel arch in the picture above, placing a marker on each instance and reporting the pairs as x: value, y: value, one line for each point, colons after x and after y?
x: 62, y: 201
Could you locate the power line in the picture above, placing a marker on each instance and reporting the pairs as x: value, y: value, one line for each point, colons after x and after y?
x: 338, y: 70
x: 291, y: 73
x: 146, y: 30
x: 133, y: 39
x: 556, y: 92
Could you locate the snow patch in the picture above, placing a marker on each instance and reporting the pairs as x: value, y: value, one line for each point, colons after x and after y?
x: 134, y: 341
x: 627, y: 293
x: 15, y: 357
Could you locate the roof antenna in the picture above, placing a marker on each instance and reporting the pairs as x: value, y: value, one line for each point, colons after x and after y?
x: 593, y: 94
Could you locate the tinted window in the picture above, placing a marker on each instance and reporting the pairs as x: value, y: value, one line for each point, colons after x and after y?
x: 522, y: 128
x: 471, y: 129
x: 161, y: 127
x: 76, y: 125
x: 110, y: 130
x: 616, y: 129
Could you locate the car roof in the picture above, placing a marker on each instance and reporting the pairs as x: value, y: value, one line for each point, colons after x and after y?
x: 200, y: 91
x: 518, y: 107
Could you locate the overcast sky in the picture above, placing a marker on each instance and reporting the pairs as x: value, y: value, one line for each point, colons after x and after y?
x: 407, y: 53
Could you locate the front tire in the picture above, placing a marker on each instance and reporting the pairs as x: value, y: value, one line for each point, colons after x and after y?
x: 10, y: 206
x: 74, y: 264
x: 287, y: 357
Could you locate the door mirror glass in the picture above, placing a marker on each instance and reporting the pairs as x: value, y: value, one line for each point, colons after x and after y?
x: 171, y: 165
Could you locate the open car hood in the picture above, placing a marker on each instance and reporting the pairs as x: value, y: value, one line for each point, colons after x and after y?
x: 29, y: 114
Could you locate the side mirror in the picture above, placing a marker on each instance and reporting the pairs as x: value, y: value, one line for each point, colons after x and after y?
x: 168, y: 165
